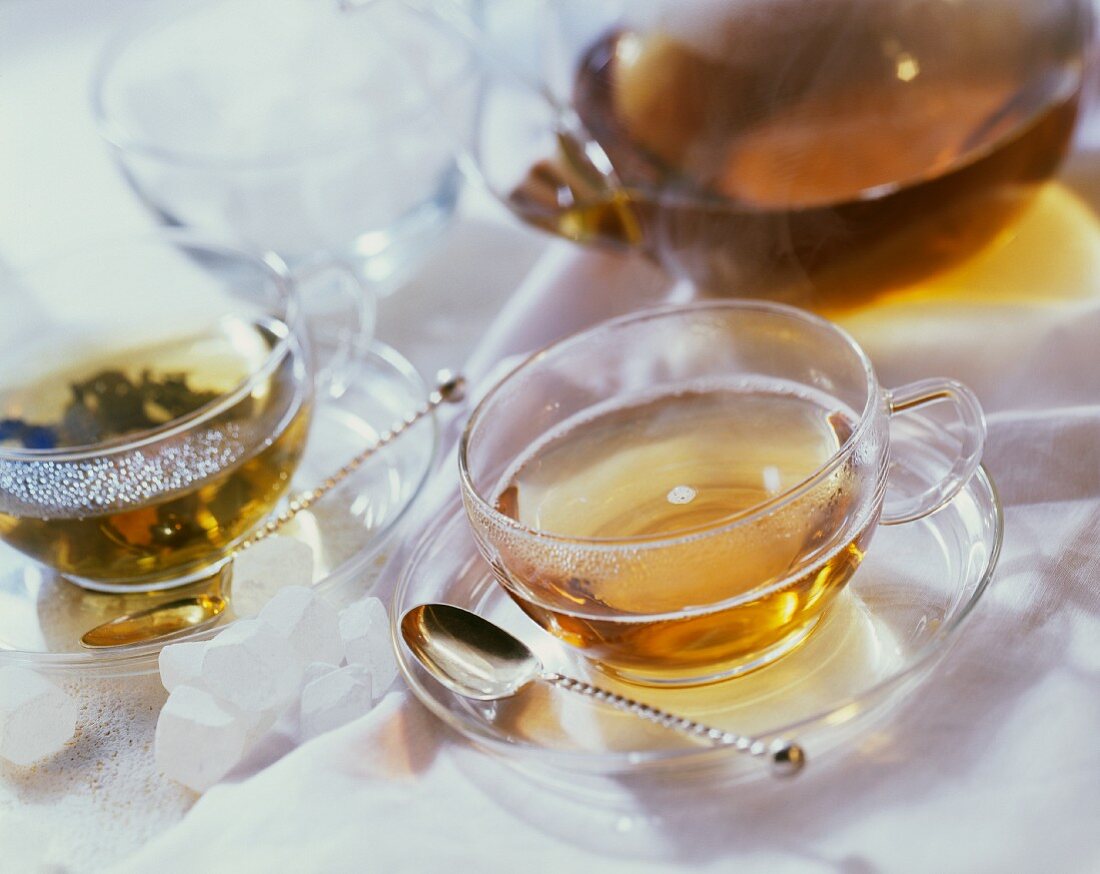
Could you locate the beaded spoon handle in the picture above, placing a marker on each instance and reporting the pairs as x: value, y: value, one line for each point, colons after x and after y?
x: 786, y: 757
x: 450, y: 389
x: 477, y: 659
x: 181, y: 615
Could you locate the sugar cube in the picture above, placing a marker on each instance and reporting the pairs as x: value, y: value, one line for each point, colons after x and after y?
x: 365, y: 629
x: 315, y: 670
x: 307, y: 622
x: 181, y: 664
x: 334, y: 699
x: 256, y: 722
x: 36, y: 717
x: 251, y: 667
x: 260, y: 571
x: 198, y: 739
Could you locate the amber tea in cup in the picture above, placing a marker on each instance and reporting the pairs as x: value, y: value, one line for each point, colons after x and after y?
x: 682, y: 493
x: 160, y: 405
x: 707, y: 455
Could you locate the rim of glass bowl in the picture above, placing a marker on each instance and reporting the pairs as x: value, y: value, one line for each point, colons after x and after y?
x: 267, y: 262
x: 837, y: 714
x: 118, y: 136
x: 873, y: 390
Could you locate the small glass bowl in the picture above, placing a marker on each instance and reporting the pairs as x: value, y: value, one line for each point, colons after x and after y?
x: 44, y: 616
x: 155, y: 397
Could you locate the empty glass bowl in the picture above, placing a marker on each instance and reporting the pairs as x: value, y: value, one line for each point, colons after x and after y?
x: 298, y: 126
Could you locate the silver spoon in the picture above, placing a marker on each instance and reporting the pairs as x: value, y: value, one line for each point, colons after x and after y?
x: 476, y: 659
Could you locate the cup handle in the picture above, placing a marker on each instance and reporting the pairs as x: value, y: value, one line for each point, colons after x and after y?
x: 966, y: 433
x: 339, y: 311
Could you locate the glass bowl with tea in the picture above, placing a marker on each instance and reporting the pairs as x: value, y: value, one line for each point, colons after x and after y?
x: 816, y: 151
x: 682, y: 493
x: 155, y: 398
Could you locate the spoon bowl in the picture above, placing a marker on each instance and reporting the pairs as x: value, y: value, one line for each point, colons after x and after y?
x: 469, y: 655
x: 161, y: 623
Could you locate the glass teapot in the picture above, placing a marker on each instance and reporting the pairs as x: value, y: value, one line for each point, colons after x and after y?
x: 792, y: 149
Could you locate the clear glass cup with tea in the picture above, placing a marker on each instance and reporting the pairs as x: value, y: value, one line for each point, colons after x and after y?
x: 155, y: 398
x: 682, y: 493
x: 814, y: 151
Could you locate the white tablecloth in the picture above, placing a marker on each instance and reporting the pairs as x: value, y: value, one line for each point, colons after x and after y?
x: 992, y: 767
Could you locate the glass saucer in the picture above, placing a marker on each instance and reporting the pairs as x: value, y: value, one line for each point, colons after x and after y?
x: 42, y: 616
x: 885, y: 634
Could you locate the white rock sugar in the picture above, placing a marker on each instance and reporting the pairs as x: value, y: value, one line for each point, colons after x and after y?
x: 365, y: 629
x: 198, y: 740
x: 36, y: 717
x: 251, y: 667
x: 315, y: 670
x: 334, y: 699
x: 309, y: 624
x: 181, y: 664
x: 264, y: 569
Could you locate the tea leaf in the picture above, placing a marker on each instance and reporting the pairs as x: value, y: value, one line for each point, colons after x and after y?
x: 109, y: 405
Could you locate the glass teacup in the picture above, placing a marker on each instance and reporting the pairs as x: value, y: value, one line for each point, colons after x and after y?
x: 155, y: 398
x: 682, y: 492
